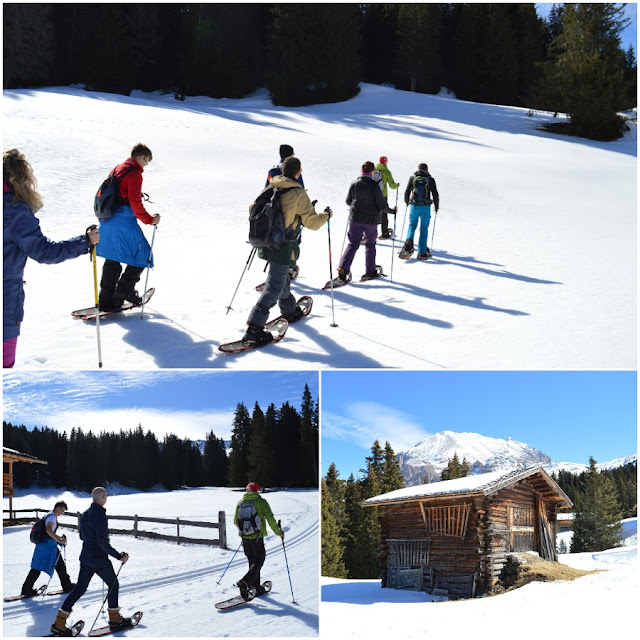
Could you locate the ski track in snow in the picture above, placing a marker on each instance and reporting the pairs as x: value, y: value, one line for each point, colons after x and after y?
x: 518, y: 278
x: 171, y: 582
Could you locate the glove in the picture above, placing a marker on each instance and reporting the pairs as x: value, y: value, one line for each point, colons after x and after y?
x: 395, y: 210
x: 328, y: 210
x: 313, y: 203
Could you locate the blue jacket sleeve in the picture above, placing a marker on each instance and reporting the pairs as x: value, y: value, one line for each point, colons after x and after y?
x: 102, y: 537
x: 28, y: 236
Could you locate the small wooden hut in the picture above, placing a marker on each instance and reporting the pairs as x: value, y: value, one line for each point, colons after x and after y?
x: 9, y: 456
x: 457, y: 536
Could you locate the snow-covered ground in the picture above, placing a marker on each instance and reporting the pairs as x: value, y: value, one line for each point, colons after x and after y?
x: 594, y: 606
x: 176, y: 586
x: 534, y: 251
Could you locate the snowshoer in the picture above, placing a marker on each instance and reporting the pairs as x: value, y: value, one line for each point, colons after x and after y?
x: 420, y: 193
x: 298, y: 211
x: 251, y: 517
x: 286, y: 150
x: 366, y: 204
x: 122, y: 240
x: 387, y: 182
x: 94, y: 559
x: 46, y: 556
x: 22, y: 239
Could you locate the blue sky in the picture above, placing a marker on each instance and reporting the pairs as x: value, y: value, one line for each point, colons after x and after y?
x: 567, y: 415
x: 628, y: 36
x: 187, y: 403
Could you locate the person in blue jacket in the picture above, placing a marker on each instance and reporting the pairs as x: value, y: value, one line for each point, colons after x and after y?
x: 94, y: 559
x: 22, y: 239
x: 286, y: 150
x: 46, y: 556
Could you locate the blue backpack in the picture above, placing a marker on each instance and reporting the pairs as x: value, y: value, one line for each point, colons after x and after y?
x: 420, y: 191
x: 108, y: 199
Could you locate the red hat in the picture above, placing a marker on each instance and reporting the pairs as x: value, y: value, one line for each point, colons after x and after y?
x: 253, y: 486
x: 384, y: 159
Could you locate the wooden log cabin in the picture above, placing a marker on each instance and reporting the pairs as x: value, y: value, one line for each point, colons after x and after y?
x: 9, y: 457
x: 456, y: 537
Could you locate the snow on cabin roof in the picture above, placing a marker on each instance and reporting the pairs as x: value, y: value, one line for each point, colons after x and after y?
x: 24, y: 457
x: 486, y: 483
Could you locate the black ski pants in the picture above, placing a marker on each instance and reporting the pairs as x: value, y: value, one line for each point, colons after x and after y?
x: 61, y: 570
x: 114, y: 288
x: 256, y: 555
x: 105, y: 571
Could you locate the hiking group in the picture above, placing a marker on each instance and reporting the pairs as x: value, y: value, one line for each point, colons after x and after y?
x: 251, y: 516
x: 276, y: 220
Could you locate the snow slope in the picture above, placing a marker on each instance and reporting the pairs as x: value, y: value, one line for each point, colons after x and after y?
x: 176, y: 586
x: 604, y: 603
x: 577, y: 468
x: 534, y: 250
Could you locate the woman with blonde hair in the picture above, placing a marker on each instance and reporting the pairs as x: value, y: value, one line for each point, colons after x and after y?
x: 22, y: 239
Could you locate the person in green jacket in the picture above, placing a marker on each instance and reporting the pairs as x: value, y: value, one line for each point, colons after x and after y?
x: 251, y: 517
x: 386, y: 183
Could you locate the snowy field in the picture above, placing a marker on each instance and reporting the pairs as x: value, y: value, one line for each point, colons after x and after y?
x: 600, y: 605
x: 176, y: 586
x: 534, y: 251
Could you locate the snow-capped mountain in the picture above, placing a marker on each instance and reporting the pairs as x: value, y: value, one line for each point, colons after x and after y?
x: 426, y: 460
x: 577, y: 468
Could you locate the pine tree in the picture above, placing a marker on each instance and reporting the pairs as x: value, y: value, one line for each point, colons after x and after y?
x: 392, y: 477
x: 308, y: 466
x: 332, y: 548
x: 258, y: 448
x: 239, y: 457
x: 596, y: 524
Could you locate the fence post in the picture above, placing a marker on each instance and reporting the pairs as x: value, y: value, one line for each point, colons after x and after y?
x: 178, y: 528
x: 135, y: 525
x: 222, y: 527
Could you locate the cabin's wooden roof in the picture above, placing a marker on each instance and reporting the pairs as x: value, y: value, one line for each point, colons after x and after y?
x: 481, y: 484
x: 11, y: 455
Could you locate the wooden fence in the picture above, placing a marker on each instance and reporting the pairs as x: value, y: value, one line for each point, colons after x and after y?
x: 220, y: 541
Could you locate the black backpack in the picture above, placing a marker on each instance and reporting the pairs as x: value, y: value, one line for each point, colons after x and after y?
x: 266, y: 221
x: 420, y: 191
x: 38, y: 531
x: 248, y: 518
x: 108, y: 199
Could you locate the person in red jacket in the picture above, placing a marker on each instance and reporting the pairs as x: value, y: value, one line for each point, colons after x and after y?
x: 122, y: 240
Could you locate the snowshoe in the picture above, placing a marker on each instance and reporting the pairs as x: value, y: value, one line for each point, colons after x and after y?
x: 342, y: 279
x: 407, y: 251
x: 376, y: 274
x: 257, y: 336
x: 385, y: 235
x: 303, y: 308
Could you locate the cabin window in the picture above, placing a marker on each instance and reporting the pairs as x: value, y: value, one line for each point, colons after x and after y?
x: 522, y: 529
x: 450, y: 520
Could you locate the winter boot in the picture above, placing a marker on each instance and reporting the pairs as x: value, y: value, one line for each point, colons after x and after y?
x: 27, y: 588
x: 116, y: 621
x: 385, y: 235
x: 68, y: 588
x: 132, y: 297
x: 293, y: 317
x: 256, y: 335
x: 429, y: 252
x: 408, y: 245
x: 59, y: 626
x: 423, y: 256
x: 344, y: 275
x: 247, y: 592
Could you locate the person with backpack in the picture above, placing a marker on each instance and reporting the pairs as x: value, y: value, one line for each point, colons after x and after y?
x: 94, y: 559
x: 286, y: 150
x: 420, y: 193
x: 251, y: 517
x: 366, y: 204
x: 382, y: 175
x: 122, y: 238
x: 297, y: 212
x: 22, y: 239
x: 46, y: 556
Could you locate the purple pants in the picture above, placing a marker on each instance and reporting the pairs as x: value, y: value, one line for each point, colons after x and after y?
x: 9, y: 352
x: 356, y: 229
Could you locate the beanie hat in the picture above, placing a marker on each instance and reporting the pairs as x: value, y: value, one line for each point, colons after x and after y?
x: 286, y: 150
x: 253, y: 486
x: 384, y: 159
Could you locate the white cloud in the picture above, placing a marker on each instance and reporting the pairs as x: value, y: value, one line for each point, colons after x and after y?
x: 370, y: 421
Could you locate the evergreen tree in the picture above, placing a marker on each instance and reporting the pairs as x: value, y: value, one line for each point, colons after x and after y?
x: 316, y: 49
x: 585, y: 76
x: 308, y: 465
x: 562, y: 547
x: 259, y: 462
x: 332, y: 549
x: 596, y: 524
x: 336, y: 490
x: 392, y: 477
x: 171, y: 462
x: 418, y: 63
x: 455, y: 468
x: 239, y: 457
x: 366, y: 532
x: 379, y: 28
x: 215, y: 463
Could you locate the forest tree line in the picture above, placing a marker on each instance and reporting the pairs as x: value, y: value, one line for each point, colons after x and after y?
x: 308, y: 53
x: 276, y: 448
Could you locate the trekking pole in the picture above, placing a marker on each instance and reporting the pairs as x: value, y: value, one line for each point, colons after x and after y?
x: 230, y: 561
x: 287, y: 562
x: 433, y: 233
x: 393, y: 241
x: 146, y: 280
x: 95, y: 292
x: 344, y: 238
x: 105, y: 599
x: 404, y: 219
x: 333, y: 313
x: 249, y: 259
x: 44, y: 593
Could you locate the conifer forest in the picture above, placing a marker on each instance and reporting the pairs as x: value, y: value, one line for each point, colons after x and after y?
x: 277, y: 447
x: 307, y: 53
